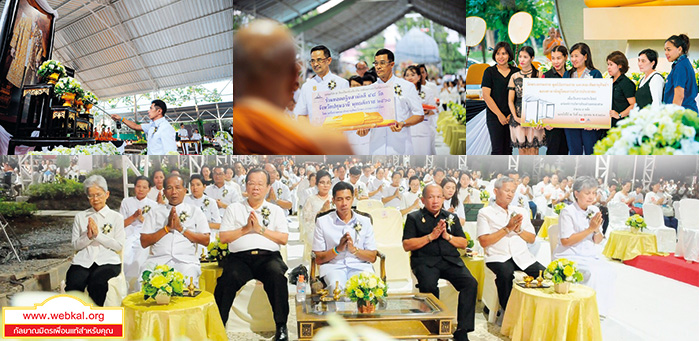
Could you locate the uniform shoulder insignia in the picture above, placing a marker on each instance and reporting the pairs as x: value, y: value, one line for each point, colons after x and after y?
x: 324, y: 213
x: 364, y: 214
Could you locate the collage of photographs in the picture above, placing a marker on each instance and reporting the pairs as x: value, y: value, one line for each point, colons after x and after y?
x: 350, y: 170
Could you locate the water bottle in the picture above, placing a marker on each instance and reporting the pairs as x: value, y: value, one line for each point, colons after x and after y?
x: 301, y: 289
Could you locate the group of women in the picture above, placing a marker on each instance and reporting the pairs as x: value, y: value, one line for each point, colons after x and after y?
x: 502, y: 86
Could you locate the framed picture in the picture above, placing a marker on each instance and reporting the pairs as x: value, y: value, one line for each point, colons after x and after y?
x: 26, y: 41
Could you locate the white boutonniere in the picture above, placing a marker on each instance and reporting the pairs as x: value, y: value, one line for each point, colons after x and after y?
x: 206, y: 202
x: 146, y: 209
x: 357, y: 227
x: 331, y: 85
x: 284, y: 181
x: 266, y: 216
x: 397, y: 90
x: 521, y: 201
x: 422, y: 94
x: 589, y: 214
x: 359, y: 190
x: 225, y: 192
x: 279, y: 191
x: 155, y: 130
x: 401, y: 189
x: 450, y: 221
x: 106, y: 228
x: 183, y: 216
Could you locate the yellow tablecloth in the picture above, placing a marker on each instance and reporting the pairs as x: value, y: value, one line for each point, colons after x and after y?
x: 196, y: 318
x: 542, y: 314
x: 210, y: 273
x: 625, y: 245
x: 476, y: 267
x: 548, y: 221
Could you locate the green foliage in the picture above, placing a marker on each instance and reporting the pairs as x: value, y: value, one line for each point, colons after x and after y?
x: 172, y: 97
x: 62, y: 189
x: 452, y: 59
x: 16, y: 209
x: 497, y: 13
x: 109, y: 173
x: 370, y: 48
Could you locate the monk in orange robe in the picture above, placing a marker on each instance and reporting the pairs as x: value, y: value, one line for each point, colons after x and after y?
x: 264, y: 74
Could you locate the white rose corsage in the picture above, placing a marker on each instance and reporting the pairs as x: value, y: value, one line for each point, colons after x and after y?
x: 225, y: 192
x: 589, y: 214
x: 146, y: 209
x: 450, y: 221
x: 279, y: 191
x: 183, y: 216
x: 106, y: 228
x: 206, y: 202
x: 266, y: 216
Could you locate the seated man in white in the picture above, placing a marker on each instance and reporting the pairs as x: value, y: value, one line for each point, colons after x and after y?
x: 173, y: 231
x: 255, y: 229
x: 343, y: 240
x: 579, y: 231
x: 504, y: 230
x: 135, y: 209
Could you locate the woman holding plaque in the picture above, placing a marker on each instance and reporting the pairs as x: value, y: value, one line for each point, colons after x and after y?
x: 623, y: 88
x: 651, y: 86
x: 680, y: 88
x: 527, y: 139
x: 581, y: 140
x: 494, y: 86
x: 555, y: 137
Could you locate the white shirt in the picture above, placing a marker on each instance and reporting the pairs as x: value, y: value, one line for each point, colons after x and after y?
x: 282, y: 192
x: 366, y: 179
x: 408, y: 199
x: 621, y: 197
x: 573, y: 219
x: 383, y: 141
x: 175, y: 245
x: 196, y: 137
x: 153, y: 194
x: 328, y: 232
x: 160, y: 137
x: 374, y: 185
x: 104, y: 247
x: 652, y: 198
x: 388, y: 191
x: 360, y: 191
x: 228, y: 195
x: 207, y: 205
x: 316, y: 84
x: 129, y: 206
x: 236, y: 217
x: 520, y: 200
x: 459, y: 210
x: 240, y: 179
x: 426, y: 128
x: 183, y: 133
x: 656, y: 87
x: 493, y: 218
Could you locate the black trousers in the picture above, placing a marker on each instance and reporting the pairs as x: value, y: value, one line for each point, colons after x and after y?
x: 95, y: 279
x: 266, y: 267
x: 460, y: 278
x: 500, y: 138
x: 556, y: 142
x: 504, y: 277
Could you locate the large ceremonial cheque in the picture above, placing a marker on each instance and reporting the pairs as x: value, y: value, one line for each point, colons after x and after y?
x: 355, y: 108
x: 567, y: 103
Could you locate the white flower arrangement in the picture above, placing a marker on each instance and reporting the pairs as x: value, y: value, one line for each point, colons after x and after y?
x: 183, y: 217
x: 146, y: 209
x: 225, y: 140
x: 51, y: 66
x: 450, y: 221
x: 107, y: 228
x: 266, y: 216
x: 654, y: 130
x: 106, y: 148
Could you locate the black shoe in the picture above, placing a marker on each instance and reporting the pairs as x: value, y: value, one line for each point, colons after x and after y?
x: 461, y: 335
x: 282, y: 334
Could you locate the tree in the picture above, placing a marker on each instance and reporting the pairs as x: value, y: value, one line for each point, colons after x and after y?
x: 497, y: 13
x: 452, y: 59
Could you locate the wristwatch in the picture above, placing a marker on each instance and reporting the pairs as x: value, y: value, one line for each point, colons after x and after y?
x: 262, y: 230
x: 450, y: 239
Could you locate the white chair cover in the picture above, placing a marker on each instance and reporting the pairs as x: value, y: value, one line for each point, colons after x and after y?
x: 553, y: 233
x: 367, y: 205
x: 541, y: 249
x: 617, y: 215
x: 117, y: 288
x: 665, y: 236
x: 676, y: 210
x: 388, y: 226
x: 688, y: 226
x: 399, y: 276
x: 541, y: 203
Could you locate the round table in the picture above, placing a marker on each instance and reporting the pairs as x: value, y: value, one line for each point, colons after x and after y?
x: 548, y: 221
x: 195, y: 318
x: 625, y: 245
x: 210, y: 274
x: 542, y: 314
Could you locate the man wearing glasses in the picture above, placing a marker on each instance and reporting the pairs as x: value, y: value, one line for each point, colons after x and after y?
x: 221, y: 192
x: 323, y: 81
x: 396, y: 139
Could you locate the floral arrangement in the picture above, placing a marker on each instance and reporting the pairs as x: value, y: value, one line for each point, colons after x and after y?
x: 225, y: 140
x: 484, y: 195
x: 210, y: 151
x: 365, y: 287
x: 458, y: 111
x: 558, y: 207
x: 470, y: 241
x: 636, y: 222
x: 563, y: 270
x: 50, y: 67
x: 67, y: 85
x: 217, y: 250
x: 162, y: 279
x: 105, y: 148
x: 90, y: 98
x: 544, y: 67
x: 655, y: 130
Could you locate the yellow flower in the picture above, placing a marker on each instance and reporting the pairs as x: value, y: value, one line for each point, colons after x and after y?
x: 359, y: 293
x: 159, y: 281
x: 163, y: 268
x: 179, y: 276
x: 380, y: 292
x: 639, y: 219
x: 568, y: 270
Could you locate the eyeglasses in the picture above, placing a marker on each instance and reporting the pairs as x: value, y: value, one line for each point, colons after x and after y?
x: 95, y: 196
x: 317, y: 61
x: 382, y: 63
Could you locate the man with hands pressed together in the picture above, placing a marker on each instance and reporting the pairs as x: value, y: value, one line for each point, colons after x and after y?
x: 343, y: 240
x: 173, y: 231
x: 221, y: 192
x: 433, y: 235
x: 504, y: 230
x: 254, y: 230
x: 279, y: 193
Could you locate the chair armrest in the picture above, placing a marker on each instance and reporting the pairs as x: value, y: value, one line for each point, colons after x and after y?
x: 382, y: 265
x: 312, y: 274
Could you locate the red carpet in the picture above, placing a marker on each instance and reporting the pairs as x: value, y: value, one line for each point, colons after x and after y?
x: 670, y: 266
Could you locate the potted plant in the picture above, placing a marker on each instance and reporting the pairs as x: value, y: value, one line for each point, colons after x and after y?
x: 558, y: 207
x: 51, y: 70
x: 66, y: 88
x: 636, y: 223
x: 89, y: 99
x: 563, y: 272
x: 162, y: 283
x: 365, y: 288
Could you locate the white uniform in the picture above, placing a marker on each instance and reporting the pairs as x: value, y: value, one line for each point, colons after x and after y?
x: 423, y: 134
x: 134, y: 254
x: 174, y: 249
x: 407, y: 200
x: 314, y: 85
x: 153, y: 194
x: 383, y: 141
x: 209, y: 208
x: 459, y: 210
x: 282, y: 192
x: 360, y: 190
x: 327, y: 234
x: 160, y: 137
x: 270, y: 216
x: 388, y: 191
x: 104, y: 247
x: 184, y: 135
x: 493, y: 218
x: 228, y: 195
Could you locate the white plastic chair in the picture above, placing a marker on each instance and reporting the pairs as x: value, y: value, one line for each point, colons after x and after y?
x: 665, y: 236
x: 617, y: 215
x: 688, y: 230
x: 553, y: 233
x: 388, y: 226
x: 542, y: 208
x: 367, y: 205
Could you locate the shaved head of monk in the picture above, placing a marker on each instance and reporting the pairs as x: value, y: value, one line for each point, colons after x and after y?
x: 264, y: 63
